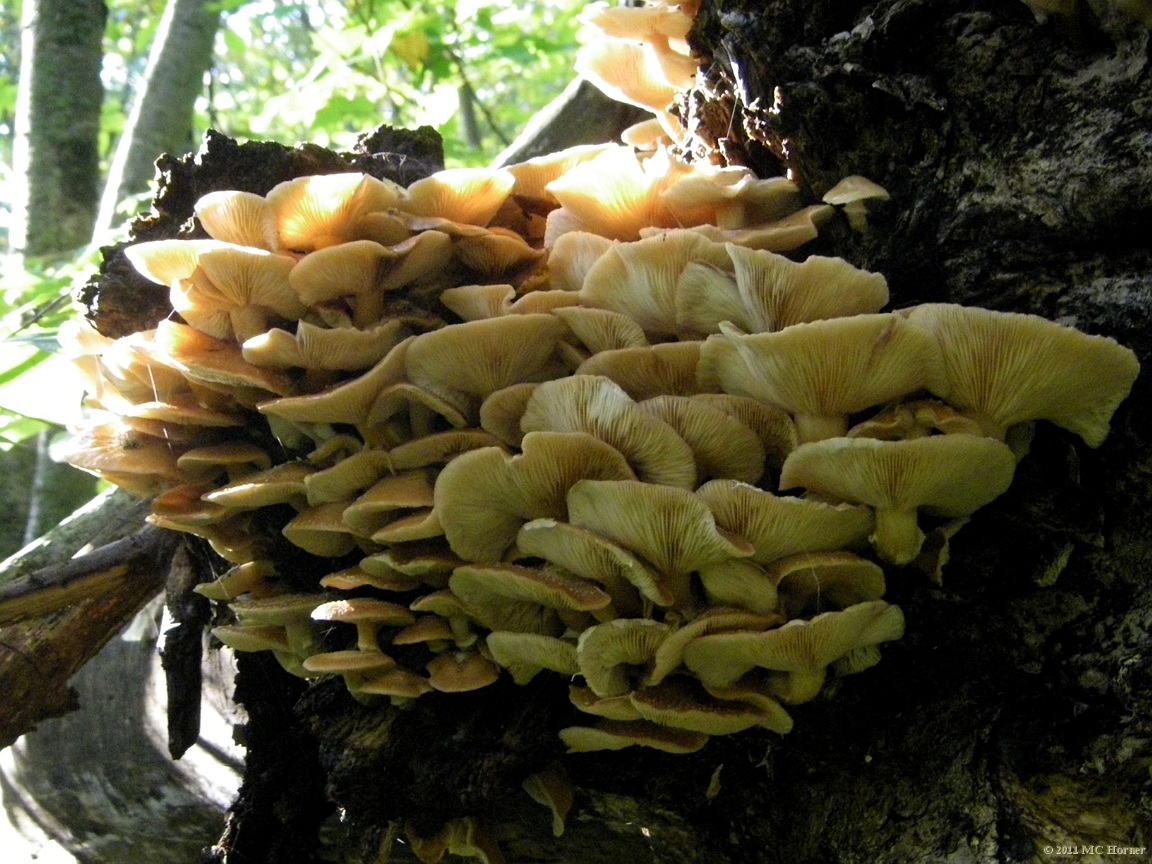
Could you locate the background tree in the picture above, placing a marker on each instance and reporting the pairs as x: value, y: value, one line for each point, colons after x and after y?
x: 163, y: 112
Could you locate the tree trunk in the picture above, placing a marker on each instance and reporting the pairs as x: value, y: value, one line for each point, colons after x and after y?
x: 1014, y: 718
x: 56, y: 160
x: 161, y: 117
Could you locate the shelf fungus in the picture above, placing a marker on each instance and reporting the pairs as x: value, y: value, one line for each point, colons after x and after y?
x: 633, y: 451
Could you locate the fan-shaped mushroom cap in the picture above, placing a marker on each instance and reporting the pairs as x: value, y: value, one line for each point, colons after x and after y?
x: 143, y: 465
x: 479, y: 357
x: 639, y: 279
x: 312, y: 347
x: 232, y: 458
x: 251, y: 637
x: 439, y: 448
x: 347, y: 476
x: 773, y: 426
x: 810, y: 583
x: 501, y: 411
x: 1005, y: 368
x: 534, y: 174
x: 214, y: 362
x: 613, y: 195
x: 243, y: 218
x: 470, y: 195
x: 349, y: 402
x: 629, y: 72
x: 572, y: 256
x: 601, y: 329
x: 483, y: 497
x: 476, y: 302
x: 852, y: 192
x: 499, y: 251
x: 669, y: 368
x: 353, y: 270
x: 480, y: 586
x: 722, y: 445
x: 318, y: 211
x: 671, y: 650
x: 400, y: 684
x: 611, y: 707
x: 280, y: 484
x: 618, y: 734
x: 782, y: 235
x: 825, y: 370
x: 524, y: 655
x: 321, y: 530
x: 779, y: 526
x: 587, y: 554
x: 679, y: 704
x: 368, y: 614
x: 460, y: 671
x: 290, y: 611
x: 670, y: 527
x: 768, y: 292
x: 597, y: 406
x: 740, y: 583
x: 389, y: 497
x: 168, y: 261
x: 799, y: 646
x: 605, y: 650
x: 947, y: 475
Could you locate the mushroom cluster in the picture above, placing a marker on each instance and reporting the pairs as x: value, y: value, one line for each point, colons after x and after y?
x: 584, y: 473
x: 578, y: 416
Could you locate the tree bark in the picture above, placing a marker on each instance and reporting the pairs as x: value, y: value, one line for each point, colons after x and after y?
x: 1015, y: 716
x: 161, y: 117
x: 56, y: 159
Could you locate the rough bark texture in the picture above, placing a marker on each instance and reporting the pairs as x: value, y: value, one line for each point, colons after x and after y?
x: 161, y: 116
x: 58, y: 116
x: 1016, y: 713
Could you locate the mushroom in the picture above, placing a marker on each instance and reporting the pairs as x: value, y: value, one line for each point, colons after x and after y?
x: 670, y: 527
x: 484, y: 496
x: 946, y: 475
x: 618, y: 734
x: 803, y: 647
x: 1004, y: 368
x: 595, y: 405
x: 825, y: 370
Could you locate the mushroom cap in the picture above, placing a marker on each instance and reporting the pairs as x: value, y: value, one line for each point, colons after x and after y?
x: 679, y: 704
x: 824, y: 370
x: 644, y: 372
x: 669, y: 527
x: 778, y: 526
x: 810, y: 583
x: 322, y: 210
x: 769, y: 292
x: 604, y: 650
x: 639, y: 279
x: 484, y: 496
x: 618, y: 734
x: 460, y: 671
x: 591, y: 556
x: 597, y: 406
x: 243, y: 218
x: 1005, y: 368
x: 721, y: 444
x: 946, y: 475
x: 799, y: 646
x: 526, y: 654
x: 339, y: 348
x: 478, y: 358
x: 470, y: 195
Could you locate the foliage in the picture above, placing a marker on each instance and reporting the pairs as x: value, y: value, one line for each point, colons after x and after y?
x: 304, y: 70
x: 346, y: 67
